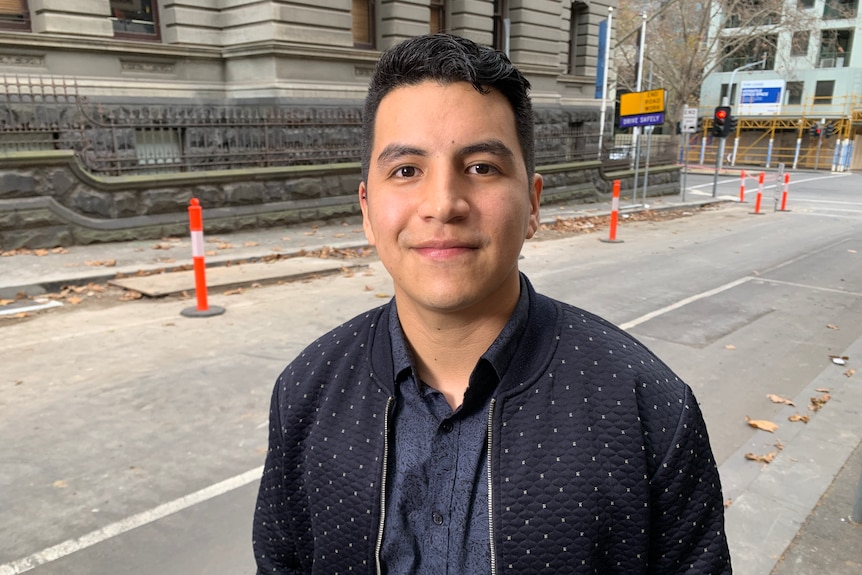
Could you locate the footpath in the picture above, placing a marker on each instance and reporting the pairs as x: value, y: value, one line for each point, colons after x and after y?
x: 783, y: 518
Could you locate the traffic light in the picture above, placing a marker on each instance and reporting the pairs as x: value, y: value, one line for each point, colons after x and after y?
x: 731, y: 125
x: 720, y: 121
x: 815, y: 130
x: 829, y: 131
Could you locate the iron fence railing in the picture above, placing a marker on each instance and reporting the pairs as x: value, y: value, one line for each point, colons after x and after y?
x: 112, y: 138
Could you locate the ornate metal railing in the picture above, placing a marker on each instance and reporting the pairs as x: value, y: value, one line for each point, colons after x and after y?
x: 112, y: 138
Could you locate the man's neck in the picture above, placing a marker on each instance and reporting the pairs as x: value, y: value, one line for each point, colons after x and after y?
x: 446, y: 347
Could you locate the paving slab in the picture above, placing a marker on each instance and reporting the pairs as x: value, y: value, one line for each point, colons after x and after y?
x: 165, y: 284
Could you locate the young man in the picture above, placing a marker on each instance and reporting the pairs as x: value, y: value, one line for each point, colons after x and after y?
x: 472, y: 425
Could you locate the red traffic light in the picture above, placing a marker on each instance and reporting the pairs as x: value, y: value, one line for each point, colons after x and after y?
x: 720, y: 114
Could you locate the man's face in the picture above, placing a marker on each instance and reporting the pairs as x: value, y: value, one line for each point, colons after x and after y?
x: 447, y: 202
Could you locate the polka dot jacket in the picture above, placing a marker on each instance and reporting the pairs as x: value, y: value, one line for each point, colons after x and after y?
x: 599, y: 460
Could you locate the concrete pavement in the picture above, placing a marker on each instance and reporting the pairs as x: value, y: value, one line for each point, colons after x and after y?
x: 778, y: 512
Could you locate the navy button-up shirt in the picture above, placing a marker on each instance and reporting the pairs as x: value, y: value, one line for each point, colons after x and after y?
x: 437, y: 499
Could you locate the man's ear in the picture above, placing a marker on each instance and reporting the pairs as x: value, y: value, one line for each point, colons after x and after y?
x: 366, y: 221
x: 535, y: 197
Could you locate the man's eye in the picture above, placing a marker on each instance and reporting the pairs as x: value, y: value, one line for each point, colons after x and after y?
x: 405, y: 172
x: 483, y: 169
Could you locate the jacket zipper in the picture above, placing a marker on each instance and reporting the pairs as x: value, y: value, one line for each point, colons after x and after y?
x: 493, y: 543
x: 379, y: 546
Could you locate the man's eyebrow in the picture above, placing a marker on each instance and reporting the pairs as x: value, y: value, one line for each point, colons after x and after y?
x: 493, y: 147
x: 393, y: 152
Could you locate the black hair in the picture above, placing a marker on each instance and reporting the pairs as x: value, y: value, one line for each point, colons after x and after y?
x: 447, y: 59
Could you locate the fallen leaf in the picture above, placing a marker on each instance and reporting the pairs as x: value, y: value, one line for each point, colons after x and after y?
x: 6, y: 301
x: 40, y: 253
x: 59, y: 251
x: 822, y: 389
x: 762, y: 424
x: 74, y: 300
x: 730, y: 346
x: 236, y: 291
x: 818, y: 402
x: 369, y: 288
x: 761, y: 458
x: 831, y: 326
x: 382, y: 295
x: 131, y: 295
x: 728, y: 503
x: 210, y: 253
x: 105, y: 263
x: 849, y: 373
x: 778, y: 399
x: 798, y: 417
x: 60, y: 484
x: 250, y: 244
x: 224, y: 246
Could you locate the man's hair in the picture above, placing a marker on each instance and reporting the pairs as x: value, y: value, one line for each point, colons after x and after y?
x: 447, y: 59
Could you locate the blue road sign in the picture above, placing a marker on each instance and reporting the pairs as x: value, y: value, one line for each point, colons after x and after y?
x: 642, y: 120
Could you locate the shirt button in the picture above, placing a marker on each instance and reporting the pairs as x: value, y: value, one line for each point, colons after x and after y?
x: 446, y: 426
x: 437, y: 518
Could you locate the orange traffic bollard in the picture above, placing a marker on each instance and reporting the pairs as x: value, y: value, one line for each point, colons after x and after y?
x: 742, y: 186
x: 615, y: 214
x: 760, y: 179
x: 196, y: 226
x: 784, y: 193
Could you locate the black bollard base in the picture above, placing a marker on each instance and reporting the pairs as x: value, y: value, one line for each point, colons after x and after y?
x: 195, y: 312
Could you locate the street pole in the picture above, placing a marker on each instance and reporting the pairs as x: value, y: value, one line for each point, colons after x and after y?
x: 605, y: 79
x: 725, y: 102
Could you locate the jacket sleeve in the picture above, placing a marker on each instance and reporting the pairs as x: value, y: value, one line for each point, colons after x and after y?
x: 273, y: 543
x: 687, y: 530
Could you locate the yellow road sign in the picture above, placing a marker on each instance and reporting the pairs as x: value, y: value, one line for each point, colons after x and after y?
x: 636, y: 103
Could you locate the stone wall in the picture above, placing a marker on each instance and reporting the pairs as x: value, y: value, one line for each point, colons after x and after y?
x: 47, y: 199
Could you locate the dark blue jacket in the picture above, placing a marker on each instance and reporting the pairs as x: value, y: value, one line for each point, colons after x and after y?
x: 599, y: 458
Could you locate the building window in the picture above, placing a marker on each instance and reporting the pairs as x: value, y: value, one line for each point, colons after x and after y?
x: 578, y: 39
x: 794, y: 92
x: 835, y: 48
x: 805, y: 4
x: 14, y: 15
x: 799, y: 43
x: 135, y: 19
x: 501, y: 25
x: 732, y: 97
x: 362, y: 12
x: 834, y: 9
x: 437, y: 17
x: 823, y: 92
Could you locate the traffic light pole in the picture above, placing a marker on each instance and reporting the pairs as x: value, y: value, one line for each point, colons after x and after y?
x: 719, y: 160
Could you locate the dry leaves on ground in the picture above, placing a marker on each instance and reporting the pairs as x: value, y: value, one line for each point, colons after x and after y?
x: 767, y: 458
x: 819, y: 401
x: 797, y: 417
x: 763, y: 424
x: 849, y: 372
x: 778, y: 399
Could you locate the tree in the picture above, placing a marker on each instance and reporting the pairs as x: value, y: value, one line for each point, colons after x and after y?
x: 686, y: 41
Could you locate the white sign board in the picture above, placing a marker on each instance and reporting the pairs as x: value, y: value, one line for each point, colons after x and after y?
x: 761, y: 97
x: 689, y: 120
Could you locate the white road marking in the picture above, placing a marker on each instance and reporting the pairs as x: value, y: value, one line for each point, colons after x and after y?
x: 686, y: 301
x: 129, y: 523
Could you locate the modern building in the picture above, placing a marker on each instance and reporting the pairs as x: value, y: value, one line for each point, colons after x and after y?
x: 796, y: 91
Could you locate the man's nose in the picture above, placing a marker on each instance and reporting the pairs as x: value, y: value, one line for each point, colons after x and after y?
x: 444, y: 196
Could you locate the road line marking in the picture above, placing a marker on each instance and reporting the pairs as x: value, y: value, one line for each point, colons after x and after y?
x: 811, y: 287
x: 661, y: 311
x: 129, y: 523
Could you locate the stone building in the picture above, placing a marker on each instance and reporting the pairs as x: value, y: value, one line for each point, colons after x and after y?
x: 113, y: 113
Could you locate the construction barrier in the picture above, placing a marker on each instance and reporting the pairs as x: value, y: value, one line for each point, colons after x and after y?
x: 742, y: 186
x: 615, y: 214
x: 196, y: 226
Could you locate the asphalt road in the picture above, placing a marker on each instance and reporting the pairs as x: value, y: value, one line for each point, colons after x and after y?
x: 132, y: 438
